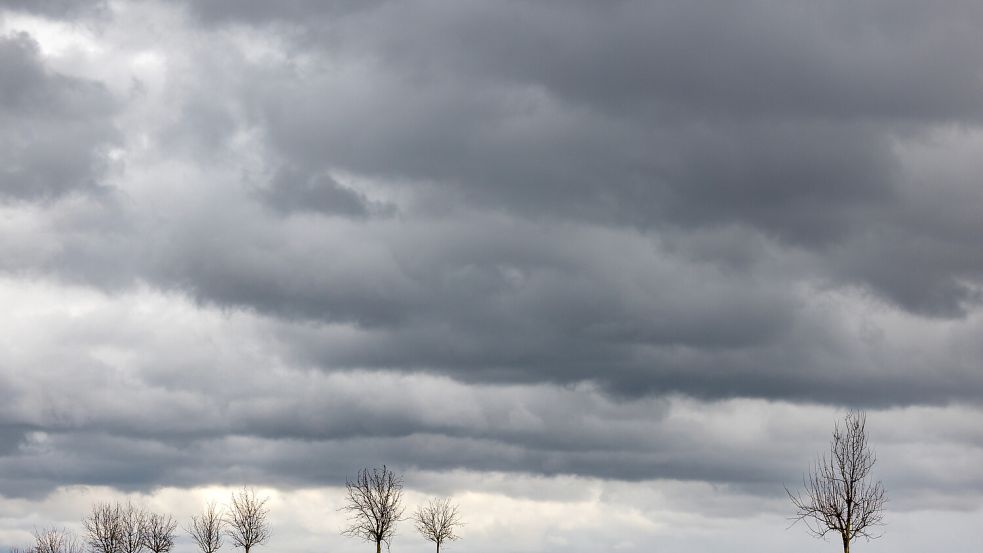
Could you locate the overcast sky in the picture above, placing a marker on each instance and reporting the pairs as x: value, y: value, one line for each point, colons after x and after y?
x: 607, y: 273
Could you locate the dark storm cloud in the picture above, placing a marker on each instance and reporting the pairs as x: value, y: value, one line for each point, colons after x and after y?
x: 260, y: 11
x: 496, y: 300
x: 777, y: 116
x: 56, y: 8
x: 56, y: 129
x: 160, y: 418
x: 301, y: 430
x: 544, y: 171
x: 294, y: 190
x: 161, y: 393
x: 11, y: 436
x: 640, y: 200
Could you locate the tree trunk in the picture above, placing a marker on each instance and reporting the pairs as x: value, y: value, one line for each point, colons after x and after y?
x: 378, y: 547
x: 846, y: 545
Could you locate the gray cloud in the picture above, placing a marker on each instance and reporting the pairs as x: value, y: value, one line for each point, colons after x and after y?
x: 293, y: 428
x: 162, y: 392
x: 292, y: 190
x: 57, y: 8
x: 559, y: 226
x: 683, y: 114
x: 257, y: 11
x: 658, y: 242
x: 56, y: 129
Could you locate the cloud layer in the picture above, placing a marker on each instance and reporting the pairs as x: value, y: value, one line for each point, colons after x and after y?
x: 656, y: 246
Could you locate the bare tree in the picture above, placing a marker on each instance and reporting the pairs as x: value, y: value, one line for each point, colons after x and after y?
x: 438, y: 521
x: 104, y: 528
x: 840, y: 496
x: 158, y: 534
x: 51, y: 540
x: 133, y: 526
x: 246, y: 520
x: 375, y: 505
x: 207, y: 529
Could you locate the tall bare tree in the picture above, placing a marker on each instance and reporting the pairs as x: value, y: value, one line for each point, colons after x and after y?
x: 207, y: 529
x: 438, y: 521
x: 246, y: 520
x: 51, y: 540
x: 104, y: 528
x: 158, y: 534
x: 133, y: 527
x: 374, y: 503
x: 839, y: 495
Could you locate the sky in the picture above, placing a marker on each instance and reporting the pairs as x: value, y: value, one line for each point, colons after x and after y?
x: 605, y: 273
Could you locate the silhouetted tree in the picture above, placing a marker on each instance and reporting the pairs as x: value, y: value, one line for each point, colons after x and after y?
x: 438, y: 521
x: 374, y: 503
x: 158, y: 535
x: 51, y: 540
x: 207, y: 529
x: 104, y: 528
x: 246, y: 520
x: 840, y: 496
x: 133, y: 526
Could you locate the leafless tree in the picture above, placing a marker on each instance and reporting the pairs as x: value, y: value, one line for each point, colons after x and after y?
x: 51, y: 540
x: 246, y: 521
x: 104, y: 528
x: 438, y: 521
x: 207, y: 529
x: 374, y: 505
x: 133, y: 525
x: 158, y: 534
x: 839, y: 496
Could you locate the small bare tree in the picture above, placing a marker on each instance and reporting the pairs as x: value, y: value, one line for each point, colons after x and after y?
x: 133, y: 527
x: 158, y: 535
x: 51, y: 540
x: 246, y: 520
x: 438, y: 521
x: 375, y: 505
x: 840, y: 496
x: 104, y: 528
x: 207, y: 529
